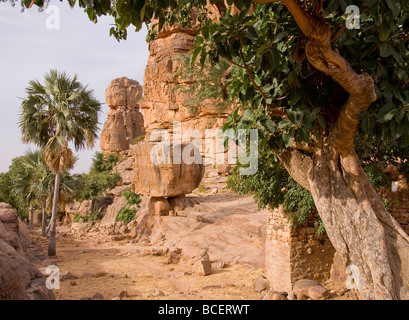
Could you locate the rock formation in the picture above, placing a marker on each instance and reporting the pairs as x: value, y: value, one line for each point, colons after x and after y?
x: 19, y: 278
x: 124, y: 122
x: 164, y: 104
x: 164, y: 180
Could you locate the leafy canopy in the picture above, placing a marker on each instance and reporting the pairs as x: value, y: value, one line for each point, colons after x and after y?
x: 57, y: 112
x: 265, y: 47
x: 99, y: 179
x: 279, y: 92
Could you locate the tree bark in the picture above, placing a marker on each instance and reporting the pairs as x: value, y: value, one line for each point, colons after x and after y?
x: 43, y: 218
x: 31, y: 219
x: 358, y: 225
x: 360, y: 228
x: 52, y: 244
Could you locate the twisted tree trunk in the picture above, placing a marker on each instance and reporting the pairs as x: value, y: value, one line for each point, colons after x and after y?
x: 358, y: 225
x: 360, y: 228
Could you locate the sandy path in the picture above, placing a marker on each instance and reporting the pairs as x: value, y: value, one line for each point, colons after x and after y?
x: 110, y: 267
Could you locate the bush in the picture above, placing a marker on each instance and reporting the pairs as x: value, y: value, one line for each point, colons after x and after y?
x: 131, y: 197
x: 94, y: 216
x: 139, y: 139
x: 126, y: 215
x: 76, y: 218
x: 272, y: 186
x: 101, y: 163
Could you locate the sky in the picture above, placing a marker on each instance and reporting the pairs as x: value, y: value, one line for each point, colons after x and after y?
x: 31, y: 44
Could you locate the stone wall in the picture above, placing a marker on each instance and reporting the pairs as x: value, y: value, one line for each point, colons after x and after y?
x: 295, y: 253
x: 397, y: 203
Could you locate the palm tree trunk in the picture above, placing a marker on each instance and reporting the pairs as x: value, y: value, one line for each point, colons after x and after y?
x: 31, y: 218
x: 52, y: 245
x: 44, y: 218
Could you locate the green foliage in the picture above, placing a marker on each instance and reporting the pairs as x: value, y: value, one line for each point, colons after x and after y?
x: 200, y: 83
x: 8, y: 195
x: 126, y: 215
x: 76, y: 217
x: 57, y: 112
x: 298, y: 203
x: 376, y: 176
x: 139, y: 139
x: 103, y: 164
x: 202, y: 188
x: 386, y: 204
x: 131, y: 197
x: 94, y: 216
x: 94, y: 185
x: 267, y: 183
x: 100, y: 179
x: 272, y: 186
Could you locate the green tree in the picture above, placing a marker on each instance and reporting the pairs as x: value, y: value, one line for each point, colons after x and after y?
x: 320, y: 94
x: 53, y: 115
x: 103, y: 164
x: 7, y: 195
x: 99, y: 179
x: 31, y: 170
x: 127, y: 213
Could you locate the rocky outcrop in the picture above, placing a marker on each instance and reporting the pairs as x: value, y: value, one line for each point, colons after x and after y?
x: 124, y: 122
x: 165, y: 93
x: 161, y: 179
x: 19, y: 278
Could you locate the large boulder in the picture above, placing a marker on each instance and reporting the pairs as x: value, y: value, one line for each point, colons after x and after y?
x: 309, y: 288
x: 124, y: 122
x: 157, y: 179
x: 19, y: 278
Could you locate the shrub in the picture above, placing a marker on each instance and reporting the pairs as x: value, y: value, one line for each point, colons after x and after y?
x: 94, y: 216
x: 131, y: 197
x: 76, y: 218
x: 139, y: 139
x: 126, y: 215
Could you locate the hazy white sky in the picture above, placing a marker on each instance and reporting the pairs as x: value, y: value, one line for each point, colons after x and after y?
x: 28, y: 50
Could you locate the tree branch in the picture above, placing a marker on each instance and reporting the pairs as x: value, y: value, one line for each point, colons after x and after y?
x: 321, y: 55
x: 251, y: 76
x: 297, y: 164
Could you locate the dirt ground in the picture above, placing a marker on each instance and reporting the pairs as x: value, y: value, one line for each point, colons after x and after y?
x: 99, y: 266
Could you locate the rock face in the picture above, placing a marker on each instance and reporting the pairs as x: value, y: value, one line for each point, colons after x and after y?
x: 163, y: 104
x: 124, y: 122
x: 163, y: 180
x: 19, y: 278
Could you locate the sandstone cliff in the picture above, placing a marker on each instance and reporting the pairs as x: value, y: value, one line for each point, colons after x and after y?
x: 163, y: 103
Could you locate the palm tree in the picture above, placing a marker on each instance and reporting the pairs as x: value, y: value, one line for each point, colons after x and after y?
x: 43, y: 188
x: 26, y: 175
x: 53, y: 115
